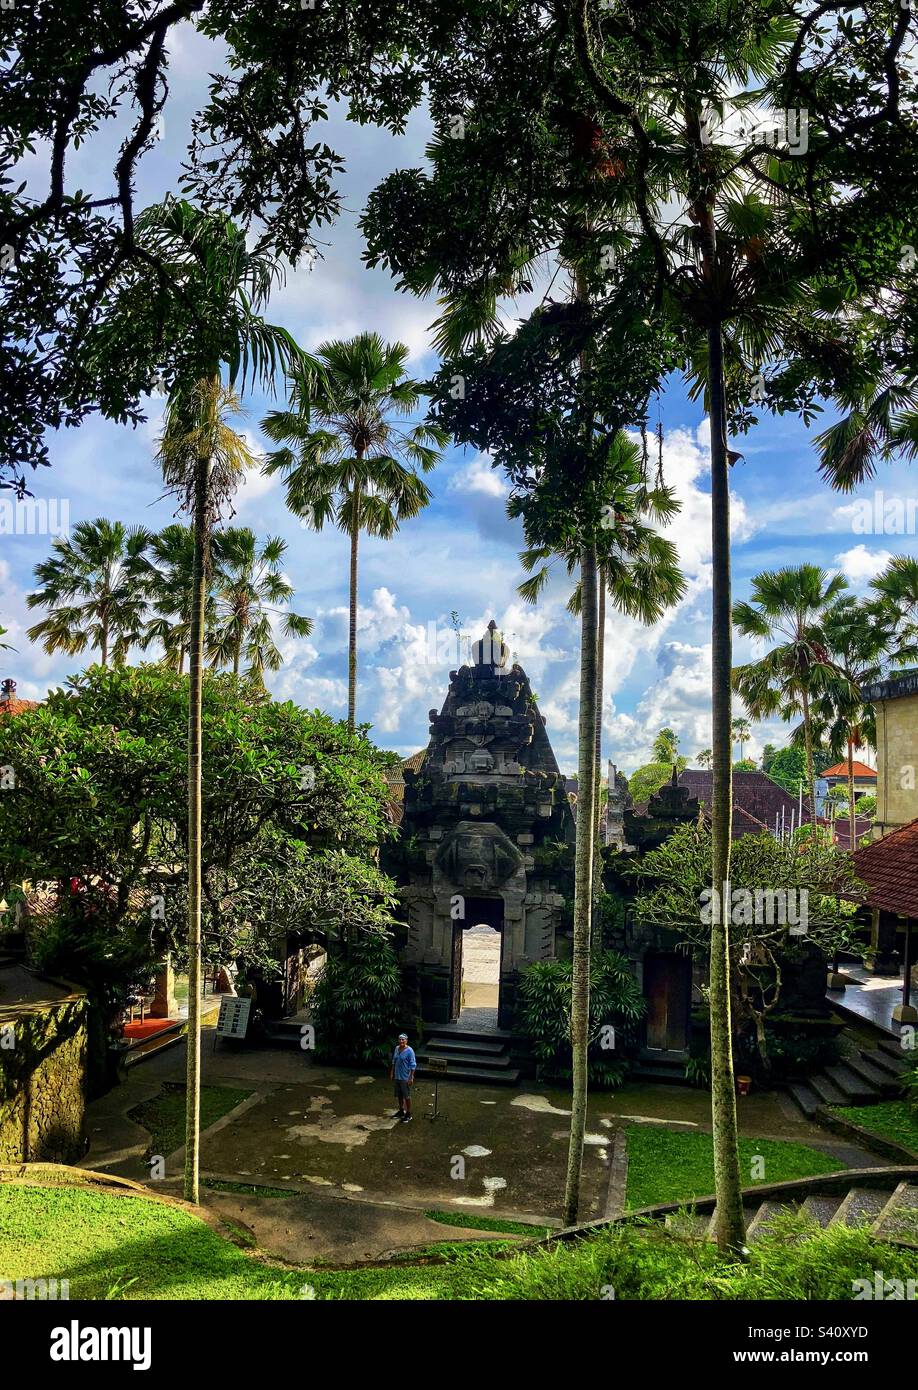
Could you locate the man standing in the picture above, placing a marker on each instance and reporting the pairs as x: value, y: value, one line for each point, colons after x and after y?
x: 404, y: 1064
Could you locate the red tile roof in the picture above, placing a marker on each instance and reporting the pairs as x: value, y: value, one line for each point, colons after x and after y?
x: 17, y: 706
x: 889, y: 867
x: 754, y: 793
x: 859, y: 769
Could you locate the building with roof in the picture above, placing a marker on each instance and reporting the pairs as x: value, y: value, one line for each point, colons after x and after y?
x: 865, y: 778
x: 889, y: 867
x: 9, y: 700
x: 896, y: 703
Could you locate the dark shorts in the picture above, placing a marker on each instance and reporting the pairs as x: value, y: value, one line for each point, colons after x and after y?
x: 402, y: 1090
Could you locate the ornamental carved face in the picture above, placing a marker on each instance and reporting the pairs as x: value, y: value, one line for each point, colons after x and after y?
x: 478, y: 857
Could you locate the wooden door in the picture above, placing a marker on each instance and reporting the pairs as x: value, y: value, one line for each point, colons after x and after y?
x: 455, y: 983
x: 667, y: 989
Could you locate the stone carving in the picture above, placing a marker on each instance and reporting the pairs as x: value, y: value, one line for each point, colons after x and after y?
x: 479, y: 857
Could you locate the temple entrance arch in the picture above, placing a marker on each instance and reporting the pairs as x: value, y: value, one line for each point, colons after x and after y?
x: 477, y: 959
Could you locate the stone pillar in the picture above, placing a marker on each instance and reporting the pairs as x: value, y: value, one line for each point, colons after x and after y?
x: 883, y: 958
x: 905, y: 1011
x: 164, y: 1005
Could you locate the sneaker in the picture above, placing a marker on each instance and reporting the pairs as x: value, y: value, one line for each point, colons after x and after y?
x: 406, y: 1118
x: 397, y: 1114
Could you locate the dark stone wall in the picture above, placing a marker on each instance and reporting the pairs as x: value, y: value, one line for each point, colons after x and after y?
x: 43, y: 1054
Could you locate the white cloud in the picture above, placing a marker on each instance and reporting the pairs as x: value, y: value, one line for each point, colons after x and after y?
x: 859, y: 565
x: 479, y: 476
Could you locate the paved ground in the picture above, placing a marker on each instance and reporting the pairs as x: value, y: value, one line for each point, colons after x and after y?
x: 870, y: 997
x: 360, y: 1181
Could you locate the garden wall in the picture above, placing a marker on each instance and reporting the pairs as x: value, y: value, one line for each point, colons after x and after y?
x: 43, y: 1050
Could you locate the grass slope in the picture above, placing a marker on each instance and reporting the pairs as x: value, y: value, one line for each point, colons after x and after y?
x: 891, y: 1119
x: 669, y: 1165
x: 130, y: 1248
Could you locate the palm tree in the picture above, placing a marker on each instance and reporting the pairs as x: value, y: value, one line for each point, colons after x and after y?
x: 704, y: 758
x: 626, y: 559
x: 666, y: 746
x: 95, y: 586
x: 788, y: 605
x: 345, y: 459
x: 250, y: 590
x: 742, y: 732
x: 897, y: 589
x: 857, y: 636
x: 198, y: 285
x: 170, y: 593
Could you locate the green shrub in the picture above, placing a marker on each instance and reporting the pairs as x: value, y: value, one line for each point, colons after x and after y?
x: 356, y: 1003
x: 616, y: 1003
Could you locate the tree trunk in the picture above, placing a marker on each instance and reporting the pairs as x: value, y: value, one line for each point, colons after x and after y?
x: 852, y: 818
x: 583, y: 881
x: 201, y: 525
x: 727, y: 1184
x: 105, y: 642
x: 808, y: 739
x: 352, y: 621
x: 596, y: 927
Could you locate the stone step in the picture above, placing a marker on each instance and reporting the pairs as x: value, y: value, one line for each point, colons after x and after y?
x: 466, y: 1034
x: 822, y: 1207
x: 827, y: 1091
x: 892, y: 1064
x: 438, y: 1043
x: 750, y: 1211
x: 852, y: 1086
x: 471, y: 1073
x: 881, y: 1081
x: 463, y: 1058
x: 860, y: 1206
x: 893, y: 1048
x: 689, y: 1225
x: 762, y: 1218
x: 899, y: 1217
x: 806, y: 1098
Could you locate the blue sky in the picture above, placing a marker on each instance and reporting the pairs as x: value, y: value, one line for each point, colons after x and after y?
x: 461, y: 553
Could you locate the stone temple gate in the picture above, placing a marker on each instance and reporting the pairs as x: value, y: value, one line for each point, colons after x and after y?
x: 487, y: 798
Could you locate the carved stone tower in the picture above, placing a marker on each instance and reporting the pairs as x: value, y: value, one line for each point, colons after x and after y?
x: 488, y: 796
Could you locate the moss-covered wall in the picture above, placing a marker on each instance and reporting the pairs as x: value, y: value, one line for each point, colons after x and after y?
x: 42, y: 1081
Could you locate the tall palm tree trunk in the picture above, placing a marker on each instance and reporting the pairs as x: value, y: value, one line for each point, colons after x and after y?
x: 810, y: 766
x: 583, y: 880
x: 596, y: 928
x: 727, y: 1184
x: 852, y: 818
x: 195, y: 687
x: 352, y: 618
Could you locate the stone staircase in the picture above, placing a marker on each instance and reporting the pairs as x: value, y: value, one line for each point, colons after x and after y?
x: 869, y: 1072
x: 469, y: 1056
x: 890, y: 1212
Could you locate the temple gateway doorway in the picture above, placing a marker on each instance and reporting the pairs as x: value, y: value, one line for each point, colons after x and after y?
x: 668, y: 991
x: 476, y: 962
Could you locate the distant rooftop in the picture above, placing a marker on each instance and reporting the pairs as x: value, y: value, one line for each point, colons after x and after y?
x: 857, y: 769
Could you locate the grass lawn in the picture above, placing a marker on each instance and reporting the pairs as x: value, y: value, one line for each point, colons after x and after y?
x: 891, y: 1119
x: 669, y: 1165
x: 471, y: 1222
x: 164, y: 1115
x: 130, y: 1248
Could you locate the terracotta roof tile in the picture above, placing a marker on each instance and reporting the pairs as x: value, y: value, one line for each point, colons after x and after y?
x: 889, y: 867
x: 841, y: 770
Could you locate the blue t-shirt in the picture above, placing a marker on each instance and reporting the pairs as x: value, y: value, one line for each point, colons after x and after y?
x: 404, y: 1063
